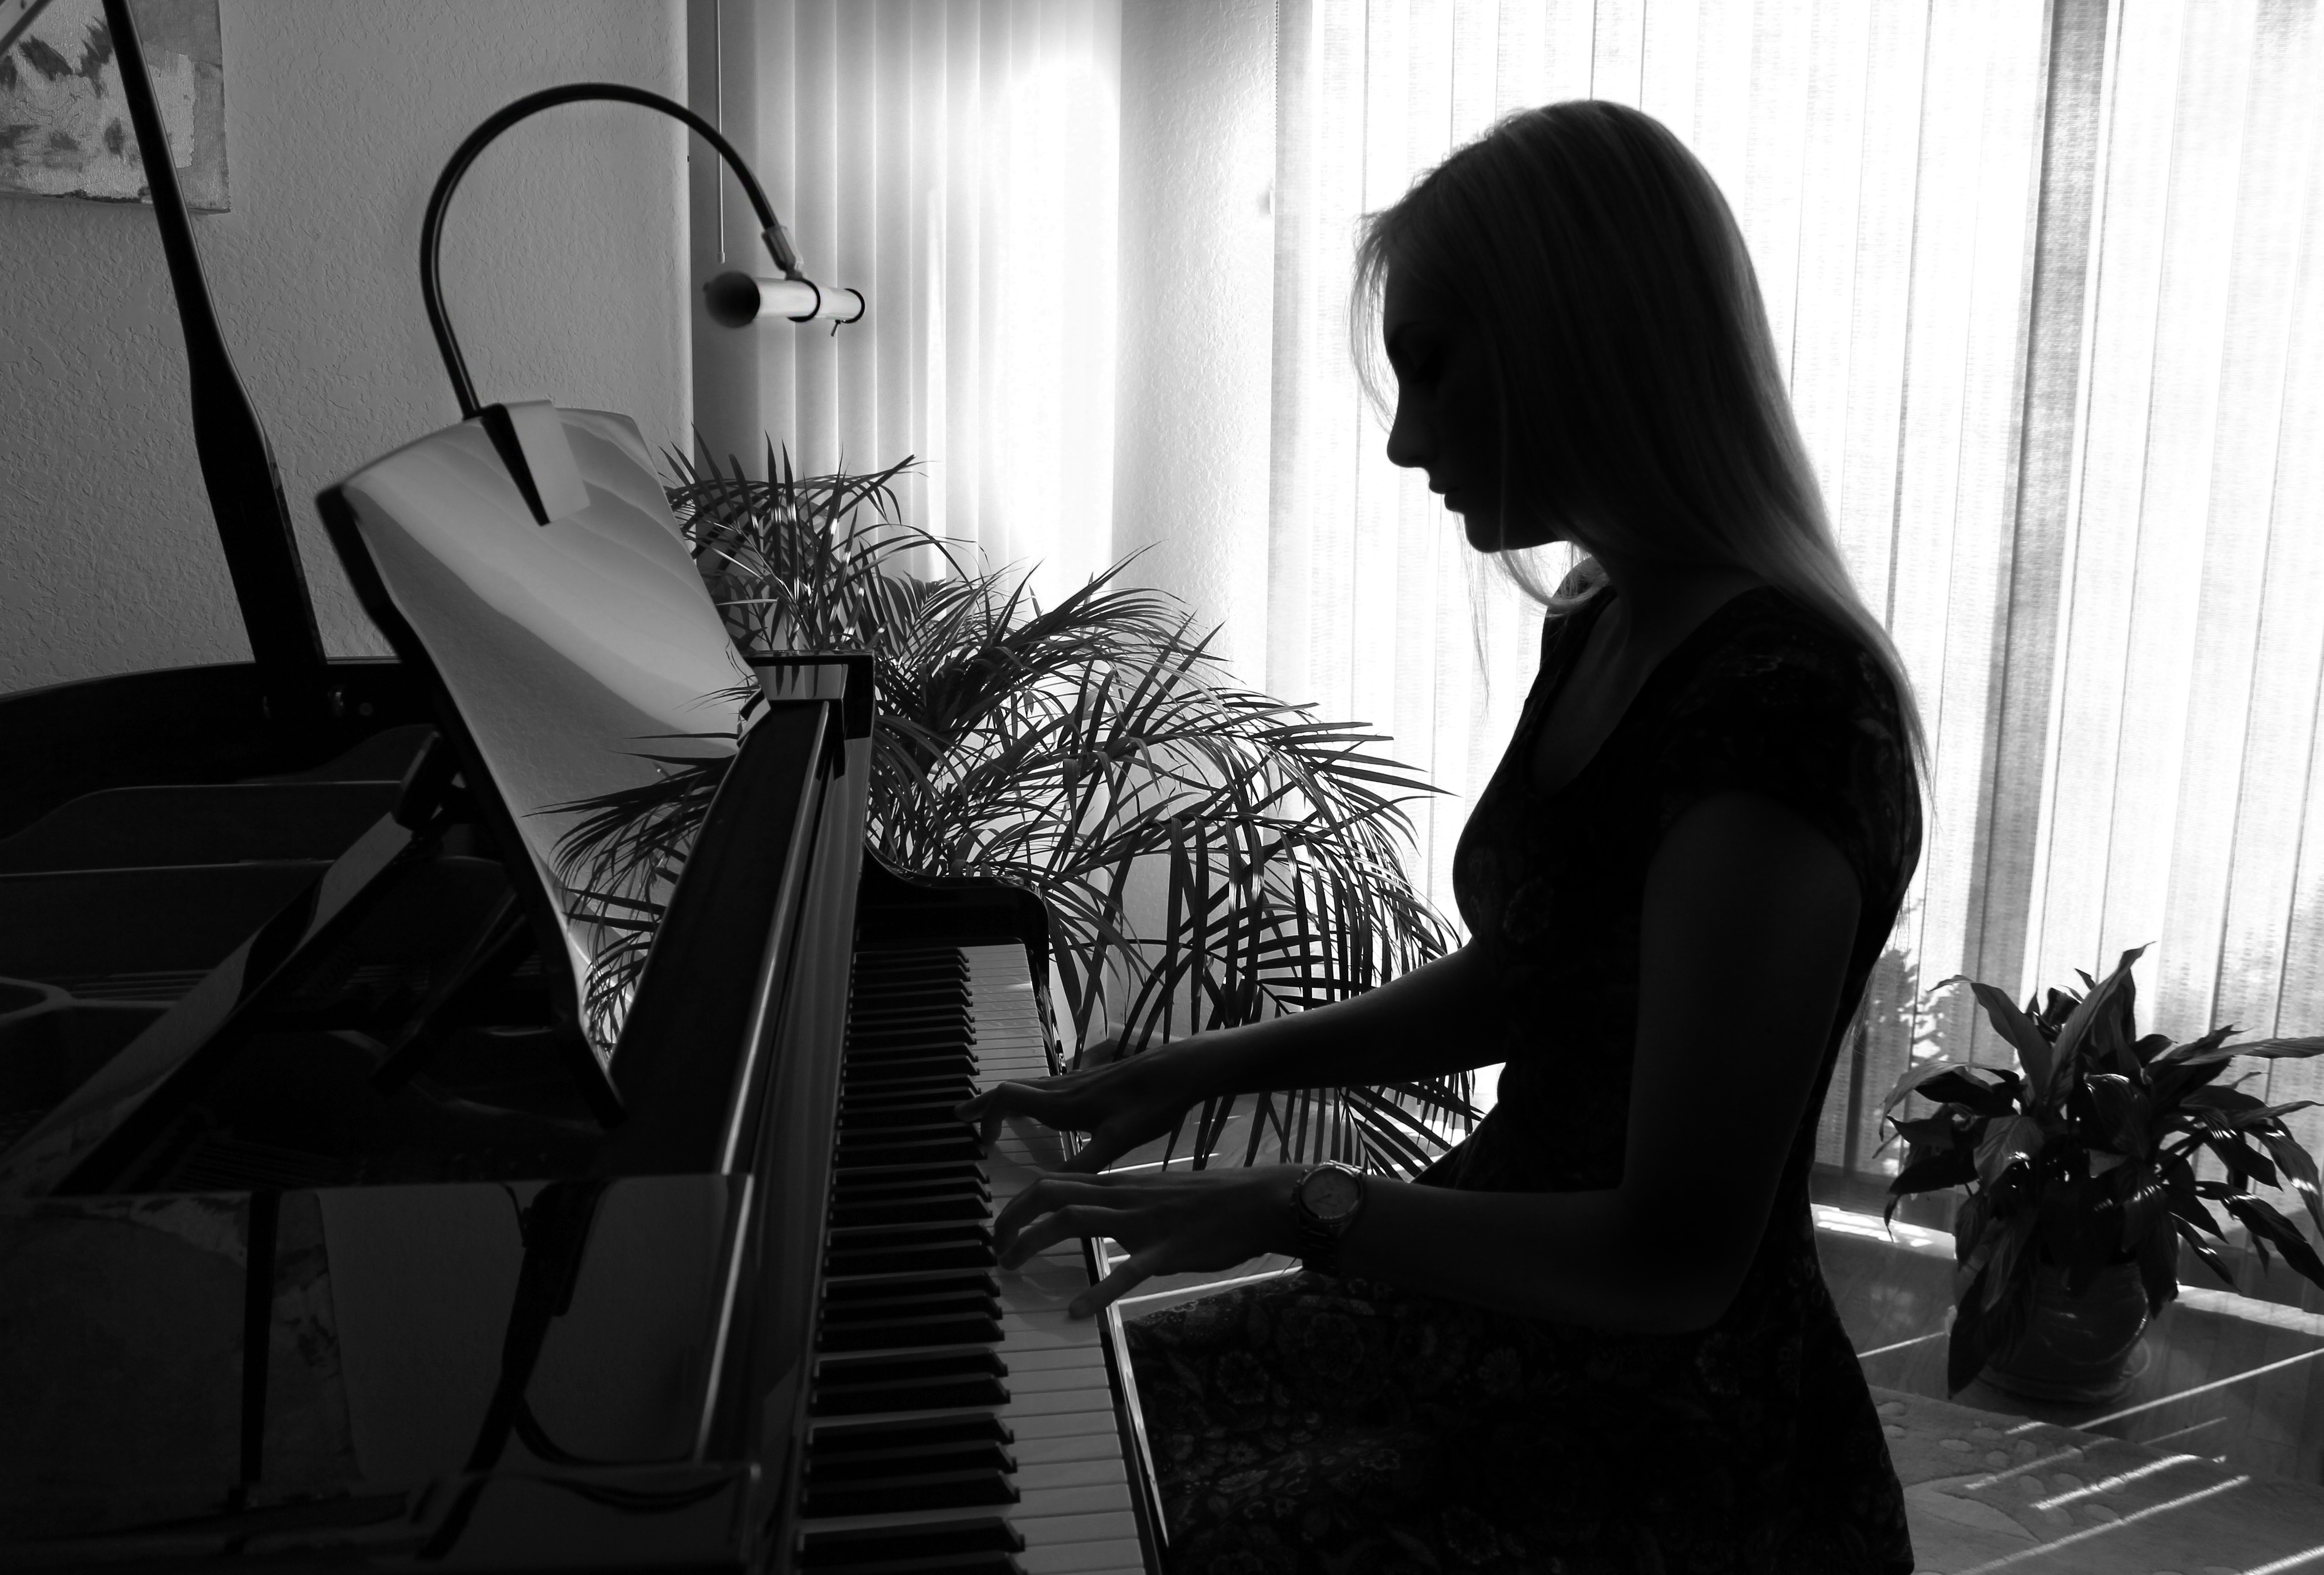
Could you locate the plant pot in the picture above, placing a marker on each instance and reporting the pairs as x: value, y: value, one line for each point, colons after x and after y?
x: 2078, y: 1349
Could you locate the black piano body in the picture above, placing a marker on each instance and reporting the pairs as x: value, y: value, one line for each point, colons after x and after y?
x: 487, y: 1329
x: 328, y: 1240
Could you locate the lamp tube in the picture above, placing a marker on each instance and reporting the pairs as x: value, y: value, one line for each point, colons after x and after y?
x: 737, y: 299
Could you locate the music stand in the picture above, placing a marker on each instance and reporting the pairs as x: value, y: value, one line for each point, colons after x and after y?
x: 559, y: 656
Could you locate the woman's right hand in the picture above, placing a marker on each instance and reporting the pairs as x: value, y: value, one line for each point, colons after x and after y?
x: 1121, y: 1101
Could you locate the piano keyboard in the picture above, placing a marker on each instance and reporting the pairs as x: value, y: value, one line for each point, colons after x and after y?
x: 960, y: 1423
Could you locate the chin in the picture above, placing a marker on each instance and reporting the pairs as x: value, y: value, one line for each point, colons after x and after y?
x: 1483, y: 531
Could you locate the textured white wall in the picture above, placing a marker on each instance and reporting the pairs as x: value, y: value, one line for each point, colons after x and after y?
x: 1197, y: 308
x: 564, y: 272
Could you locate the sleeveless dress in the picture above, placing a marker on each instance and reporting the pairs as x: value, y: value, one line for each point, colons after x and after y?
x: 1351, y: 1426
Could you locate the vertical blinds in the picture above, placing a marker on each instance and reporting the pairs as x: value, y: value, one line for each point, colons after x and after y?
x: 960, y: 159
x: 2045, y: 282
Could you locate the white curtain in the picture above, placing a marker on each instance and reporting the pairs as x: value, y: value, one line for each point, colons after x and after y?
x: 956, y: 160
x: 2181, y: 789
x: 2049, y: 285
x: 2055, y: 332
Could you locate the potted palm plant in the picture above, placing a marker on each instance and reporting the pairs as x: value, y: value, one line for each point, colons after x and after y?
x: 2078, y: 1169
x: 1209, y: 855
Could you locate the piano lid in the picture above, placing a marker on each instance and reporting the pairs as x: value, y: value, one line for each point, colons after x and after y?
x: 571, y: 661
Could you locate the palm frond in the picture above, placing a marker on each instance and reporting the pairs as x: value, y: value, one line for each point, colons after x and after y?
x: 1085, y: 749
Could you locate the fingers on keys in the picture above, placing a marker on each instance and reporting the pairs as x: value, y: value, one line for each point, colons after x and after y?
x: 1052, y: 1193
x: 1098, y: 1150
x: 1071, y: 1222
x: 1128, y: 1274
x: 987, y: 1109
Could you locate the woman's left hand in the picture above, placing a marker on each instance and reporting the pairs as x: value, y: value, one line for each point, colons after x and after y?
x: 1170, y: 1223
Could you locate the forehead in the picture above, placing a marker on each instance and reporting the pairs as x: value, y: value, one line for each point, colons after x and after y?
x: 1403, y: 301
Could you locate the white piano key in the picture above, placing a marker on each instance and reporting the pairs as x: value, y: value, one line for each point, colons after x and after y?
x: 1047, y: 1380
x: 1041, y: 1403
x: 1051, y: 1358
x: 1049, y: 1452
x: 1065, y: 1424
x: 1069, y: 1473
x: 1067, y: 1502
x: 1020, y: 1337
x: 1050, y: 1529
x: 1074, y: 1509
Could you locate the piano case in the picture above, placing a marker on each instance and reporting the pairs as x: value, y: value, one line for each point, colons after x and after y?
x: 336, y: 1231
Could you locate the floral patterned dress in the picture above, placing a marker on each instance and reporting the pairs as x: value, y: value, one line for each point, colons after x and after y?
x: 1342, y: 1425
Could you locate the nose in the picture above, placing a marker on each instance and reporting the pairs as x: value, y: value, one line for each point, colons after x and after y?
x: 1404, y: 443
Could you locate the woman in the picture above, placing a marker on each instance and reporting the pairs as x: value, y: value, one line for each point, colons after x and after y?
x: 1595, y: 1336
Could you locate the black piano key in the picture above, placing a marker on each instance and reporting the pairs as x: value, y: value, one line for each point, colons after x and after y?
x: 975, y: 1563
x: 908, y: 1433
x: 906, y: 1145
x: 960, y: 1293
x: 935, y: 1328
x: 871, y: 1118
x: 876, y: 1287
x: 958, y: 1085
x: 889, y: 1027
x: 901, y: 1205
x: 981, y: 1545
x: 872, y: 1183
x: 907, y: 996
x: 948, y: 1005
x: 885, y: 1050
x: 873, y: 969
x: 949, y: 1246
x: 850, y: 1386
x: 860, y: 1465
x: 951, y: 1204
x: 943, y: 1092
x: 915, y: 996
x: 871, y: 1180
x: 905, y: 1068
x: 868, y: 1369
x: 927, y: 1490
x: 953, y: 1053
x: 884, y: 1309
x: 952, y: 1176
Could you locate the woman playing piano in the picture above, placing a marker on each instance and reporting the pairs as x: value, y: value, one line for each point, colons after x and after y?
x: 1595, y: 1336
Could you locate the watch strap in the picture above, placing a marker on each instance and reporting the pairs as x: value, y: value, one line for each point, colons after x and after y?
x: 1319, y: 1240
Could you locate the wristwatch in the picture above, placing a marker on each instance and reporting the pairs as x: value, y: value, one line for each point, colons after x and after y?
x: 1326, y: 1200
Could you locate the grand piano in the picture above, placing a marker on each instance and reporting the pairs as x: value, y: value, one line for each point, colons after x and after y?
x: 349, y: 1221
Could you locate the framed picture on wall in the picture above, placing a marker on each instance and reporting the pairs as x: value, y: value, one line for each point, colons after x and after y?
x: 64, y: 124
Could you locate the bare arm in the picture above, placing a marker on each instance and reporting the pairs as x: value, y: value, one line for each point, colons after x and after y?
x: 1748, y: 917
x: 1436, y: 1019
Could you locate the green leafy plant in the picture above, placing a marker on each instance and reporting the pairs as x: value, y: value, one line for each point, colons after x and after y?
x: 1210, y: 856
x: 2083, y: 1156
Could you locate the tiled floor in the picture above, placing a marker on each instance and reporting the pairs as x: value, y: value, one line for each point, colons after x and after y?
x: 2211, y: 1463
x: 1987, y: 1492
x: 2219, y: 1379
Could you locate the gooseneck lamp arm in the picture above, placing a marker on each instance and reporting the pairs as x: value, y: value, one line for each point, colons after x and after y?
x: 794, y: 285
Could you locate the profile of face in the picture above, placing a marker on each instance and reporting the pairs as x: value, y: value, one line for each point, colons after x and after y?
x: 1447, y: 423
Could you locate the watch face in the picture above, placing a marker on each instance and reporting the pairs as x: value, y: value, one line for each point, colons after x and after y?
x: 1329, y: 1194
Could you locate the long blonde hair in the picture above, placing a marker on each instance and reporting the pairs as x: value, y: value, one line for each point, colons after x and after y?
x: 1610, y: 287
